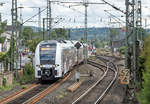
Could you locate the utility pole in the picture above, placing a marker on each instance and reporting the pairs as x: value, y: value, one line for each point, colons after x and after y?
x: 21, y: 25
x: 21, y: 39
x: 49, y: 21
x: 43, y: 28
x: 69, y: 34
x: 86, y: 32
x: 0, y: 17
x: 14, y: 34
x: 39, y: 21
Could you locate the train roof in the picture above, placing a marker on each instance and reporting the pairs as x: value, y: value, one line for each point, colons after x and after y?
x: 65, y: 43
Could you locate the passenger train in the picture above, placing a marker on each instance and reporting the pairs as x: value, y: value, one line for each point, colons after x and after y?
x: 53, y: 59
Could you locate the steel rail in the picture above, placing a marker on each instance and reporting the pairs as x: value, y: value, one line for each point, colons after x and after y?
x: 84, y: 94
x: 109, y: 86
x: 104, y: 75
x: 40, y: 95
x: 17, y: 94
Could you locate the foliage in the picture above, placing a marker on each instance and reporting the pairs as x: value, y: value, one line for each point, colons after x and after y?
x: 28, y: 33
x: 2, y: 56
x: 28, y: 74
x: 2, y: 39
x: 143, y: 32
x: 24, y: 86
x: 4, y: 81
x: 3, y: 26
x: 32, y: 44
x: 7, y: 88
x: 28, y: 70
x: 99, y: 44
x: 122, y: 49
x: 81, y: 40
x: 59, y: 33
x: 144, y: 94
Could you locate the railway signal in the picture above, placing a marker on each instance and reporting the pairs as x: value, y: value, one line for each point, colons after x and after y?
x: 77, y: 45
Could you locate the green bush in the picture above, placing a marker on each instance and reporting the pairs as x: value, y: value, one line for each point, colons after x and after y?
x: 122, y: 49
x: 144, y: 95
x: 99, y: 44
x: 28, y: 70
x: 28, y: 74
x: 4, y: 81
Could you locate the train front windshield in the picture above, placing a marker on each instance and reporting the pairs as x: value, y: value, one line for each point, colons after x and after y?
x: 48, y: 54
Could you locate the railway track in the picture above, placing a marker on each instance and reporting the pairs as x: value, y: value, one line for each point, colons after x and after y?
x: 34, y: 93
x: 97, y: 92
x: 37, y: 92
x: 29, y: 94
x: 18, y: 94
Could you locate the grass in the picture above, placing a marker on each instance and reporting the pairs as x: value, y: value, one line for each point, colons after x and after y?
x: 24, y: 86
x: 7, y: 88
x: 95, y: 59
x: 26, y: 78
x: 61, y: 95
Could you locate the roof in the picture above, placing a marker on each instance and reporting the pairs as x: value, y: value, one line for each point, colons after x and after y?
x: 6, y: 34
x: 8, y: 28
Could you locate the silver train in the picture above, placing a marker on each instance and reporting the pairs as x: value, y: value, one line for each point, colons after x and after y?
x: 53, y: 59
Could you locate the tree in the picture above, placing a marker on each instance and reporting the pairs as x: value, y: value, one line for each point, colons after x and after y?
x: 32, y: 44
x: 3, y: 26
x: 144, y: 94
x: 113, y: 33
x: 28, y: 33
x: 54, y: 35
x: 60, y: 33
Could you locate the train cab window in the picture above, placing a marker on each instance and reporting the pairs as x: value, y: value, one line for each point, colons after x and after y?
x: 48, y: 53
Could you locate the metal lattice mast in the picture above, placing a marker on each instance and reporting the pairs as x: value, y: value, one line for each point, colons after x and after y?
x: 139, y: 18
x: 131, y: 52
x: 14, y: 31
x: 139, y: 43
x: 49, y: 21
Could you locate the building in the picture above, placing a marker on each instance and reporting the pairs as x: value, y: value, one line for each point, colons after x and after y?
x: 118, y: 43
x: 6, y: 45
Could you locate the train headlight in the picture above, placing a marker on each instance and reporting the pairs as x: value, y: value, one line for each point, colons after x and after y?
x: 40, y: 66
x: 56, y: 65
x: 53, y: 66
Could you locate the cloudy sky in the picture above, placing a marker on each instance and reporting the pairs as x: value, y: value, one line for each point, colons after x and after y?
x: 74, y: 16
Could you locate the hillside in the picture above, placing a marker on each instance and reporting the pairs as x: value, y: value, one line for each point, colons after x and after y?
x: 99, y: 33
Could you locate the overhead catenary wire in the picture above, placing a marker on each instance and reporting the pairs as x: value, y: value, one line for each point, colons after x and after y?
x: 34, y: 16
x: 113, y: 6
